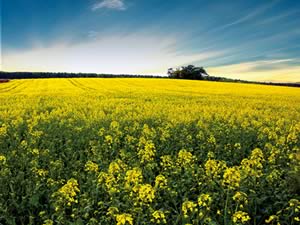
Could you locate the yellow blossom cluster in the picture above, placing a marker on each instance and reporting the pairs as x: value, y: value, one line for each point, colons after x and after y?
x: 161, y: 181
x: 240, y: 197
x: 159, y: 217
x: 166, y: 162
x: 2, y: 160
x: 185, y: 158
x: 146, y: 193
x: 253, y: 166
x: 204, y: 200
x: 68, y: 192
x: 40, y: 172
x: 272, y: 218
x: 124, y: 219
x: 48, y: 222
x: 231, y: 178
x: 133, y: 177
x: 116, y: 167
x: 240, y: 217
x: 91, y: 167
x: 214, y: 168
x: 188, y: 207
x: 147, y: 153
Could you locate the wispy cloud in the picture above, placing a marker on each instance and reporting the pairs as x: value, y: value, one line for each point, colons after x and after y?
x: 279, y: 70
x: 278, y: 17
x: 110, y: 4
x: 138, y: 53
x: 93, y: 34
x: 248, y: 17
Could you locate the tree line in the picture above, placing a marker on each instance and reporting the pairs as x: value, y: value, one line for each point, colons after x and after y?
x: 186, y: 72
x: 33, y: 75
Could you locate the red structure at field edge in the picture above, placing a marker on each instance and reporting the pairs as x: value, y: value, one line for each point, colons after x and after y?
x: 4, y: 80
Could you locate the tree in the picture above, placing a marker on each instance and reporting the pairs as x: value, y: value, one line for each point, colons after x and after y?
x: 188, y: 72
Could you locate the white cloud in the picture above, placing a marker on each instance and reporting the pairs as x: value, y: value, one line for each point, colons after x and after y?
x: 277, y: 70
x: 278, y: 17
x: 93, y: 34
x: 248, y: 17
x: 110, y: 4
x: 132, y: 54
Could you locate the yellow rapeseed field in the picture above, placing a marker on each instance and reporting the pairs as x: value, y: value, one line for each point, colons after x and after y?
x: 131, y: 151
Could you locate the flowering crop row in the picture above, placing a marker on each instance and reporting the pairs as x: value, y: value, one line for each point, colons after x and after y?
x: 148, y: 151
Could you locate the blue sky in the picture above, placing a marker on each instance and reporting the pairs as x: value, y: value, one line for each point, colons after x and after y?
x: 253, y: 40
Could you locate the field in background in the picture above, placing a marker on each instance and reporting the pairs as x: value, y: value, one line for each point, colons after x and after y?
x: 147, y: 151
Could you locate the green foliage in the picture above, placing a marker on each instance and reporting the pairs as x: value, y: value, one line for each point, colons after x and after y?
x: 188, y: 72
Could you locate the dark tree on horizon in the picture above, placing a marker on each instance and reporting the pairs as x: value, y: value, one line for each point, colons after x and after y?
x: 188, y: 72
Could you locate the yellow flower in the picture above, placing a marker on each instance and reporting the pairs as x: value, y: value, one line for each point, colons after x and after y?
x: 3, y: 130
x: 253, y: 166
x: 240, y: 197
x: 48, y: 222
x: 161, y: 181
x: 114, y: 125
x: 210, y: 155
x: 212, y: 140
x: 69, y: 191
x: 240, y: 217
x: 116, y: 167
x: 232, y: 178
x: 237, y: 146
x: 146, y: 193
x: 274, y: 175
x: 166, y: 162
x: 147, y: 153
x: 213, y: 168
x: 274, y: 154
x: 133, y: 177
x: 201, y: 214
x: 42, y: 213
x: 188, y: 207
x: 204, y: 200
x: 101, y: 132
x: 35, y: 152
x: 40, y: 172
x: 108, y: 139
x: 123, y: 219
x: 2, y: 160
x: 112, y: 211
x: 257, y: 154
x: 294, y: 203
x: 207, y: 220
x: 185, y: 158
x: 272, y: 218
x: 158, y: 217
x: 109, y: 180
x: 91, y: 167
